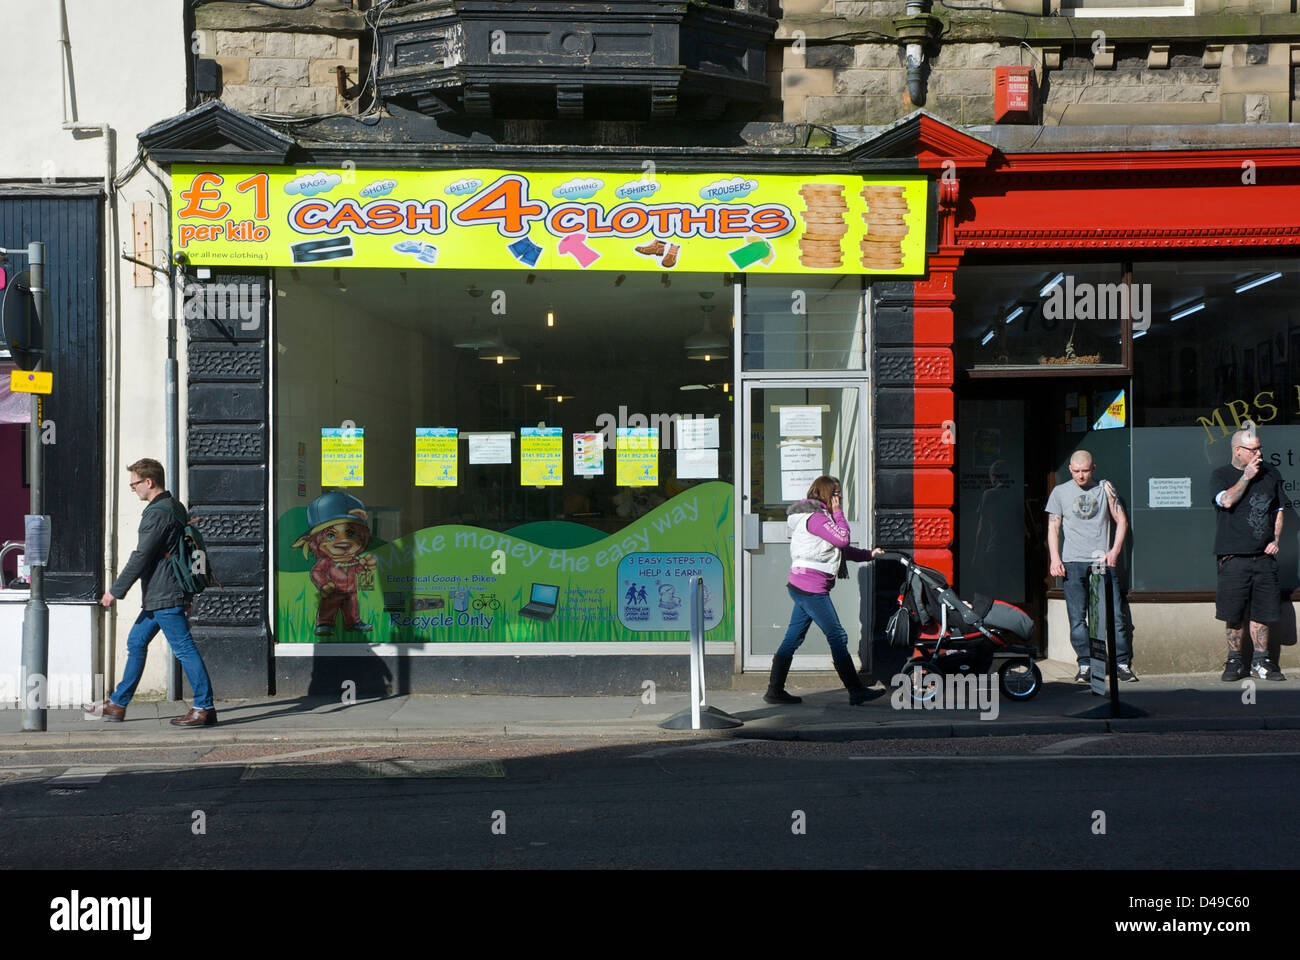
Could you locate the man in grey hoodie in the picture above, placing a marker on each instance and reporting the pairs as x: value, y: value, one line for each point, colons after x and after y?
x: 164, y: 604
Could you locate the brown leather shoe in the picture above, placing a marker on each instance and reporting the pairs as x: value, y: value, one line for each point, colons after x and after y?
x: 105, y: 710
x: 196, y: 718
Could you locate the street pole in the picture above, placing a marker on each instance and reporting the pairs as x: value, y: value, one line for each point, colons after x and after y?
x: 173, y: 665
x: 36, y: 622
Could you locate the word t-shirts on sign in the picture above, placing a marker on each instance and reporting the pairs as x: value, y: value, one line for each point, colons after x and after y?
x: 541, y: 456
x: 637, y: 453
x: 342, y: 456
x: 435, y: 456
x: 489, y: 447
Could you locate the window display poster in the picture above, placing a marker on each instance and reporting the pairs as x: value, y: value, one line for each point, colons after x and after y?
x: 637, y: 457
x: 340, y: 581
x: 801, y: 421
x: 588, y: 455
x: 342, y: 456
x: 1111, y: 410
x: 489, y: 447
x: 697, y: 464
x: 795, y: 483
x: 541, y: 456
x: 698, y: 434
x: 435, y: 456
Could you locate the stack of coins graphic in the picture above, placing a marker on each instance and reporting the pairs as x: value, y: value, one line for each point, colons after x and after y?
x: 824, y: 225
x: 882, y: 247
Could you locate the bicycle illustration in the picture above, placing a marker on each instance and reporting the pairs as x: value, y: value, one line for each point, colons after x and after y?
x: 487, y: 601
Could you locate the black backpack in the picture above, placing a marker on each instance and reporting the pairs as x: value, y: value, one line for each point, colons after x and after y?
x: 189, y: 557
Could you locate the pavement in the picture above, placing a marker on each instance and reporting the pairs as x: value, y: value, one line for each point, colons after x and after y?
x: 1171, y: 703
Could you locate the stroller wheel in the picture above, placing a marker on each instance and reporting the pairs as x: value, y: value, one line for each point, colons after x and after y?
x: 923, y: 690
x: 1020, y: 679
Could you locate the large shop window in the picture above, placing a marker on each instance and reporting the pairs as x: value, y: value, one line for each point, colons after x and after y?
x: 1216, y: 343
x: 1050, y: 319
x: 1223, y: 347
x: 804, y: 323
x: 591, y: 453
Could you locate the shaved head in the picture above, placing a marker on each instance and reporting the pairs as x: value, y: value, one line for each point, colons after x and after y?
x: 1080, y: 458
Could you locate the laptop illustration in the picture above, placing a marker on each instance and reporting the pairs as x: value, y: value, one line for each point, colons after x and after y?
x: 541, y: 604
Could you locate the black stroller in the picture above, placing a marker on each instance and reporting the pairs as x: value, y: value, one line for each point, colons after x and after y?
x: 949, y: 636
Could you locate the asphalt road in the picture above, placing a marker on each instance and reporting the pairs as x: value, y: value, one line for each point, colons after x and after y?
x: 1163, y: 801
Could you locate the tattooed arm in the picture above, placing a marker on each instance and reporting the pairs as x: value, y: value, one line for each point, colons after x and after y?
x: 1121, y: 524
x: 1276, y: 545
x: 1057, y: 568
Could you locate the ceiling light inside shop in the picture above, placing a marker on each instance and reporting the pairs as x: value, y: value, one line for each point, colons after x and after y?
x: 561, y: 397
x: 1015, y: 313
x: 1051, y: 283
x: 618, y: 281
x: 498, y: 350
x: 1187, y: 311
x: 338, y: 280
x: 706, y: 344
x: 1259, y: 282
x: 550, y: 318
x: 987, y: 337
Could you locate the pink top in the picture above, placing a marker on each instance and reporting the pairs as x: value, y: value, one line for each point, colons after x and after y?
x: 835, y: 531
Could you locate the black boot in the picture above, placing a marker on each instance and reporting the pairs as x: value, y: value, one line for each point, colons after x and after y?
x: 776, y: 684
x: 858, y: 693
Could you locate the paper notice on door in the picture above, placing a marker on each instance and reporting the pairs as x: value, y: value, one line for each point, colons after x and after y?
x: 801, y: 421
x: 693, y: 434
x: 801, y: 454
x: 795, y: 483
x: 1169, y: 492
x: 489, y: 447
x: 697, y: 464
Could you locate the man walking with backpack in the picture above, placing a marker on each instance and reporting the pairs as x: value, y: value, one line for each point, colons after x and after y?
x: 164, y: 603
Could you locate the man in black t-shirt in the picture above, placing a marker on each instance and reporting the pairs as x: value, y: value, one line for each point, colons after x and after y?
x: 1248, y: 509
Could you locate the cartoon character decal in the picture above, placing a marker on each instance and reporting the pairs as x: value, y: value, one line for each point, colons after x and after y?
x: 338, y: 533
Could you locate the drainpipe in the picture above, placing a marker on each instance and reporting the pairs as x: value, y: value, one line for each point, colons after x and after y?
x: 102, y: 657
x: 917, y: 30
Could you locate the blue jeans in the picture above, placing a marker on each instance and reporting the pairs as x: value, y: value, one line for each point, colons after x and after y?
x: 1076, y: 602
x: 810, y: 608
x: 176, y: 628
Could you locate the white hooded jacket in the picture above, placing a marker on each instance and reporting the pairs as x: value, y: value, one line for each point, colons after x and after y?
x: 808, y: 550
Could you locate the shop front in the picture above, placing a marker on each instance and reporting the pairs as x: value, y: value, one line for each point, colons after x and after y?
x: 1141, y: 309
x: 508, y: 411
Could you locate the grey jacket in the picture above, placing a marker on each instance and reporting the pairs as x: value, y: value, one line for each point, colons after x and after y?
x: 160, y: 534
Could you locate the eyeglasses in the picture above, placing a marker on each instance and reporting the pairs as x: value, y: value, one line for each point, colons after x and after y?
x: 1244, y: 447
x: 135, y: 484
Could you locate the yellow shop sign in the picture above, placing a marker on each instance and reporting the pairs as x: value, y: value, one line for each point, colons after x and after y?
x: 497, y: 220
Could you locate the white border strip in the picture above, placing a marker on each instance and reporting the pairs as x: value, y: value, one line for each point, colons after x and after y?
x: 559, y: 649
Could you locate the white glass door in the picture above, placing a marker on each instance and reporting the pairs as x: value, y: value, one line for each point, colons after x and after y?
x: 795, y: 430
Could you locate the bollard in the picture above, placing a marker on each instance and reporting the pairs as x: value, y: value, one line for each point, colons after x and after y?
x: 702, y: 716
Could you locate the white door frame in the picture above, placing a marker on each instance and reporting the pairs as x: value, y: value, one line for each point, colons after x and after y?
x: 863, y: 530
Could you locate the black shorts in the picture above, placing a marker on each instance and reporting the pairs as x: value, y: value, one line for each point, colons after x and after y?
x: 1247, y: 587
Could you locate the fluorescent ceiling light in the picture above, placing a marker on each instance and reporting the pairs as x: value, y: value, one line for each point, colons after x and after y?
x: 1188, y: 311
x: 1139, y: 333
x: 1259, y: 282
x: 1015, y: 313
x: 1051, y: 283
x: 987, y: 337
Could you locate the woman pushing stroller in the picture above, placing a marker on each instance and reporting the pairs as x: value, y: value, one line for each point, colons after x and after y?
x: 819, y: 551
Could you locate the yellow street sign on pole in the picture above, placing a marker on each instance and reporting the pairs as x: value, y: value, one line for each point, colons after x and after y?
x: 30, y: 381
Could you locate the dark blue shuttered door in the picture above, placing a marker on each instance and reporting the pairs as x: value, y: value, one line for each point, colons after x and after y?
x: 71, y: 228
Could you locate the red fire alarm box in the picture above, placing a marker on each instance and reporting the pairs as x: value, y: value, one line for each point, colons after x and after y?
x: 1013, y: 94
